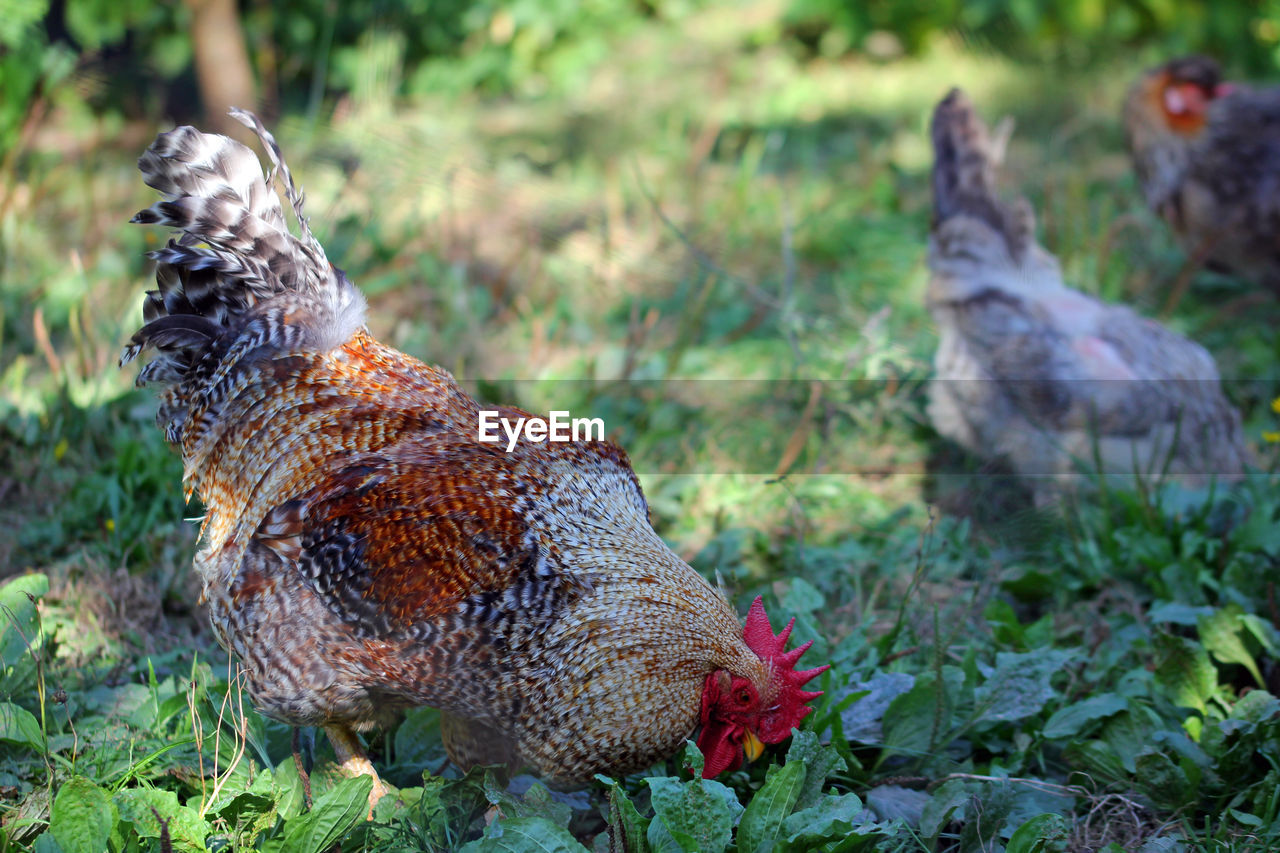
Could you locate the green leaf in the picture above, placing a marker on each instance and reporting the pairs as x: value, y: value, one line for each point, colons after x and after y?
x: 20, y: 726
x: 1220, y: 633
x: 1019, y: 685
x: 253, y: 812
x: 893, y: 802
x: 341, y: 808
x: 417, y: 740
x: 692, y: 759
x: 1262, y: 631
x: 538, y: 802
x: 1255, y: 708
x: 524, y: 835
x: 82, y: 817
x: 938, y: 811
x: 1129, y: 734
x: 187, y: 830
x: 1163, y: 781
x: 861, y: 717
x: 1184, y: 671
x: 434, y: 805
x: 1177, y: 741
x: 1069, y: 721
x: 174, y: 705
x: 1098, y: 758
x: 1258, y: 532
x: 237, y: 805
x: 290, y: 798
x: 830, y: 819
x: 818, y: 761
x: 697, y: 815
x: 627, y: 828
x: 660, y: 840
x: 762, y: 821
x: 1177, y: 613
x: 46, y: 843
x: 18, y: 599
x: 20, y: 634
x: 1045, y: 833
x: 914, y: 718
x: 802, y: 597
x: 1246, y: 819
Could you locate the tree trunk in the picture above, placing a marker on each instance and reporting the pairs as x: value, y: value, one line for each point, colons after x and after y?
x: 222, y: 63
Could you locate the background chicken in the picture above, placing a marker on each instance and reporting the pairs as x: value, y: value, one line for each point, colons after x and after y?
x: 364, y: 552
x: 1042, y: 375
x: 1208, y: 158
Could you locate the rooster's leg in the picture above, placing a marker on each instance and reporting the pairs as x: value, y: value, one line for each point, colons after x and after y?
x: 346, y: 746
x: 1192, y: 265
x: 304, y: 771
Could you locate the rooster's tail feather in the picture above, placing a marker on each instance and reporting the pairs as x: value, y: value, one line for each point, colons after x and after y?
x: 234, y: 283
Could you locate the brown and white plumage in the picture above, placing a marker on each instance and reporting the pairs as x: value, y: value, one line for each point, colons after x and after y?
x: 364, y: 552
x: 1042, y: 375
x: 1207, y: 154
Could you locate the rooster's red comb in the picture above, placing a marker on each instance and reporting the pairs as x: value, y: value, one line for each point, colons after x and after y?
x: 771, y: 648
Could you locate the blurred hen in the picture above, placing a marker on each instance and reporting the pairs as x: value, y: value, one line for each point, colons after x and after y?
x: 1207, y: 155
x: 1043, y: 376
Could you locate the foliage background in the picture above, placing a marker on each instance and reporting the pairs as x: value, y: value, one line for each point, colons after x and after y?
x: 704, y: 223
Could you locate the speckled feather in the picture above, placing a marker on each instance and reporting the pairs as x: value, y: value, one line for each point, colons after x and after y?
x: 1041, y: 374
x: 363, y: 552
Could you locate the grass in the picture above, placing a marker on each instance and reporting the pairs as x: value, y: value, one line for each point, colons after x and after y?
x: 727, y: 269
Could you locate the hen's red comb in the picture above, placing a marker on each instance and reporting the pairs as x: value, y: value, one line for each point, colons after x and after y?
x: 771, y: 648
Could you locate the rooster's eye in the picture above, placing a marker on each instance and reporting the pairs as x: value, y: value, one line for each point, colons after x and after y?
x: 744, y: 696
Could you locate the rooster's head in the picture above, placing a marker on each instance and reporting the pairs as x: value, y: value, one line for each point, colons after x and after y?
x: 1185, y: 88
x: 740, y: 714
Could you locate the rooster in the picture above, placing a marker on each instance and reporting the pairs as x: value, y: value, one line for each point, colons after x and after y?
x: 1207, y: 155
x: 364, y: 552
x: 1041, y: 375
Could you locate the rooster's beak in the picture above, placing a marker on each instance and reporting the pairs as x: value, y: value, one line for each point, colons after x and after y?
x: 752, y: 745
